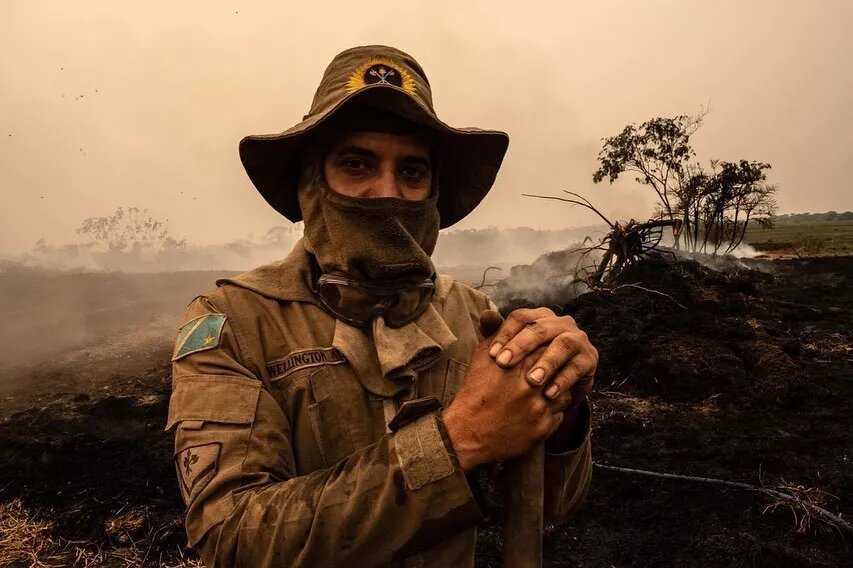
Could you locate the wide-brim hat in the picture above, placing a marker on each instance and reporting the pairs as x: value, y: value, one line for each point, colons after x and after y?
x: 385, y: 78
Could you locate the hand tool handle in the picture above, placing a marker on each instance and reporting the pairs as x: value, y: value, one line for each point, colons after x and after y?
x: 523, y: 510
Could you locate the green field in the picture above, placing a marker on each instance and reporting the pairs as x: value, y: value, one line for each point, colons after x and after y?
x: 825, y: 238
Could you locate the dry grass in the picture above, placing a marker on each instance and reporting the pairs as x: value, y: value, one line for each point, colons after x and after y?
x: 26, y: 540
x: 806, y: 504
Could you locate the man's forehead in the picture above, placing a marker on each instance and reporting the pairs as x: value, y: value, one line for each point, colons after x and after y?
x: 382, y: 142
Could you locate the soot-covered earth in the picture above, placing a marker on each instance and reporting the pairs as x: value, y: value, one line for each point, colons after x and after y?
x: 741, y: 374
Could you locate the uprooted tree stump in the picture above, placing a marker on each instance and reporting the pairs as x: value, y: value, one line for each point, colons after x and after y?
x: 625, y: 244
x: 622, y: 246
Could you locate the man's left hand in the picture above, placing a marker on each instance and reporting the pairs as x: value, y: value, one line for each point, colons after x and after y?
x: 566, y: 368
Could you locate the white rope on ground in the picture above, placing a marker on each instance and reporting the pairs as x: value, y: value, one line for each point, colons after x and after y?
x: 827, y: 515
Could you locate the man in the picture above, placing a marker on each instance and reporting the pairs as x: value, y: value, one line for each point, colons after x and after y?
x: 330, y: 408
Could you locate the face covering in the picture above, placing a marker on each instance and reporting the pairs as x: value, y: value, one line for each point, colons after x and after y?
x: 377, y: 240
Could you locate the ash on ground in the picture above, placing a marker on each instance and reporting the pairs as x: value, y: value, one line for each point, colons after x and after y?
x: 738, y: 374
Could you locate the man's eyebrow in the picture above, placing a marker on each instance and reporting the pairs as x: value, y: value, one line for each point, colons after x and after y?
x: 417, y: 159
x: 354, y: 150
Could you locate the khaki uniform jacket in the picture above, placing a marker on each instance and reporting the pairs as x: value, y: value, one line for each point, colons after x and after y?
x: 284, y: 453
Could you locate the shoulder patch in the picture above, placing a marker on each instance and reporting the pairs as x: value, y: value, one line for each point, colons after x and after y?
x: 199, y: 334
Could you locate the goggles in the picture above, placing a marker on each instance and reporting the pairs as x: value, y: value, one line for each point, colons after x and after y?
x: 357, y: 303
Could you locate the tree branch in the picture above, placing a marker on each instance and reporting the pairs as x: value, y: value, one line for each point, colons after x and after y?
x: 573, y: 201
x: 828, y: 516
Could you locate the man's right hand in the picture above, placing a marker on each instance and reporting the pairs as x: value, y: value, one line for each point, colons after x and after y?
x: 497, y: 415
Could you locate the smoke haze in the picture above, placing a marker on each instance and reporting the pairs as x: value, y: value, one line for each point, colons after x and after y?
x: 109, y: 104
x: 459, y: 249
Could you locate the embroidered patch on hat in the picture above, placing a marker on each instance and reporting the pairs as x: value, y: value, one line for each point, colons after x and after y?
x: 199, y: 334
x: 379, y: 70
x: 303, y: 359
x: 196, y: 466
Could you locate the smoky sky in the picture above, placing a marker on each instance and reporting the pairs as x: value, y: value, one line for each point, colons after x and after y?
x: 108, y: 104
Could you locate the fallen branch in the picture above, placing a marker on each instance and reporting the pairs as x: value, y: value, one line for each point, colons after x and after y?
x: 649, y: 290
x: 812, y: 310
x: 828, y: 516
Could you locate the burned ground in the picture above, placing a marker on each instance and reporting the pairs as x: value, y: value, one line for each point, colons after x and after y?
x: 742, y: 375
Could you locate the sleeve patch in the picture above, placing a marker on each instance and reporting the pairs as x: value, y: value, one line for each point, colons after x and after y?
x: 199, y: 334
x: 196, y: 467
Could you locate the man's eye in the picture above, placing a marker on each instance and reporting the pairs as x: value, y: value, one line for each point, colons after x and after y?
x: 413, y: 174
x: 354, y: 164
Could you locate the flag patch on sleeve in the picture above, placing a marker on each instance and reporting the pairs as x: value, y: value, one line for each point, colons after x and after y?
x: 199, y: 334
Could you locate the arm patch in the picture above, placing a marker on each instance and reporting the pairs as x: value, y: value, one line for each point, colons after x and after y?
x: 196, y: 466
x: 199, y: 334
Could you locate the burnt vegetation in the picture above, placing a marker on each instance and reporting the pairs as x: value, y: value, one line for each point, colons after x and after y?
x: 721, y: 411
x: 739, y: 373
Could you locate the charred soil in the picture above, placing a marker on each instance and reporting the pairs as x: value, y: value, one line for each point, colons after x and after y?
x: 742, y: 374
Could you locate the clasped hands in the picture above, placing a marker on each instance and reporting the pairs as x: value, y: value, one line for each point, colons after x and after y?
x: 529, y: 375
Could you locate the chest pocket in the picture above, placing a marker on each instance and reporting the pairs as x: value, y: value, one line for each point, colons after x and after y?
x: 340, y: 414
x: 452, y: 381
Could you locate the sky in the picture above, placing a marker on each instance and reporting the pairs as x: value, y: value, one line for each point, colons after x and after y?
x: 106, y: 104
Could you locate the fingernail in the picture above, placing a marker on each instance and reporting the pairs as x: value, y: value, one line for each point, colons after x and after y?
x: 505, y: 357
x: 537, y: 375
x: 496, y: 348
x: 551, y: 391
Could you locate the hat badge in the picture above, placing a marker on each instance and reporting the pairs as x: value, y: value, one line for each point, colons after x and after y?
x: 380, y: 71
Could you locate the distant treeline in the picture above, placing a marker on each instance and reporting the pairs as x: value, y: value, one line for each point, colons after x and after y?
x: 807, y: 218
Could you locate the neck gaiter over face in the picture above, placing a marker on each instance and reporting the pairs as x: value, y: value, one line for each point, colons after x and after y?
x: 375, y: 240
